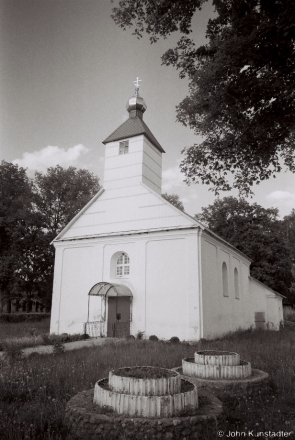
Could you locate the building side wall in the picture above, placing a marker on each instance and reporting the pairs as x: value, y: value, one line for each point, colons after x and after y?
x: 264, y: 300
x: 222, y: 314
x: 151, y: 166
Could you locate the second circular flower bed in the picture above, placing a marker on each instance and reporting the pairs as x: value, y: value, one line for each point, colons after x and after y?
x: 146, y: 392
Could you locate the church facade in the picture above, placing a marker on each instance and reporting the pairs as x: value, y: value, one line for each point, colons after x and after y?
x: 131, y: 262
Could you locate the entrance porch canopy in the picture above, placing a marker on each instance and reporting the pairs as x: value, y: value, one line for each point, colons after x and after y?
x: 104, y: 288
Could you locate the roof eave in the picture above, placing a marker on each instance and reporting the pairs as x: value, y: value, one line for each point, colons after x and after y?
x: 161, y: 149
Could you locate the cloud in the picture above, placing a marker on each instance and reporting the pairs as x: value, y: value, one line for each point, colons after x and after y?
x: 284, y: 198
x: 189, y: 198
x: 51, y: 156
x: 172, y: 178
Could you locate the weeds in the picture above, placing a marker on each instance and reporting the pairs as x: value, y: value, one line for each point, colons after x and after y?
x: 34, y: 391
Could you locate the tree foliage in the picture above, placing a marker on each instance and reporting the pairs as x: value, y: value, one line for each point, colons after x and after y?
x: 58, y: 196
x: 256, y: 232
x: 32, y: 213
x: 288, y: 230
x: 174, y: 200
x: 15, y: 215
x: 241, y: 84
x: 61, y: 193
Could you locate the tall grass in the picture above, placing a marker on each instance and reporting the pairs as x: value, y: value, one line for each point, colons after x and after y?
x: 34, y: 391
x: 23, y: 329
x: 289, y: 315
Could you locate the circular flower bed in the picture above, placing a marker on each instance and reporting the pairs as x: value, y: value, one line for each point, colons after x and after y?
x: 144, y: 381
x: 85, y: 421
x: 212, y: 357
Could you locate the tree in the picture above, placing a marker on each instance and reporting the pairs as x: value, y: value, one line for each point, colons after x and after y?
x: 288, y: 230
x: 241, y: 93
x: 58, y: 196
x: 61, y: 193
x: 174, y: 200
x: 15, y: 213
x: 256, y: 232
x: 31, y: 215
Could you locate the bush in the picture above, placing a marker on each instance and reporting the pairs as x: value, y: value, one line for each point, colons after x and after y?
x: 58, y: 347
x: 83, y: 337
x: 46, y: 339
x: 64, y: 337
x: 139, y: 335
x: 21, y: 317
x: 174, y: 340
x: 14, y: 353
x: 153, y: 338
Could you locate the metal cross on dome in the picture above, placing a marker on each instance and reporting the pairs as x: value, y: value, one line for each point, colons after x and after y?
x: 137, y: 85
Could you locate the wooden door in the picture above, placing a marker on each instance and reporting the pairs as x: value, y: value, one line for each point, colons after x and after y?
x: 118, y: 324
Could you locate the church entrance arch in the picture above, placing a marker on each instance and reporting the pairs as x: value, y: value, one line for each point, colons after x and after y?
x: 116, y: 310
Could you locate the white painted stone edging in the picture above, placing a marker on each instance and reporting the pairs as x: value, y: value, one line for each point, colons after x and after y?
x: 216, y: 371
x: 145, y: 387
x: 225, y: 359
x: 145, y: 406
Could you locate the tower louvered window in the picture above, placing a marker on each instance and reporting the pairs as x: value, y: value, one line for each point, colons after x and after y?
x: 124, y: 147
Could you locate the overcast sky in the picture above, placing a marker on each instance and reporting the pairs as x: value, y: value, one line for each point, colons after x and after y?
x: 66, y: 74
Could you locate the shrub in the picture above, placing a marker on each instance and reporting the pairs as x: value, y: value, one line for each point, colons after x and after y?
x: 46, y: 339
x: 84, y: 336
x: 13, y: 353
x: 174, y: 340
x: 139, y: 335
x: 64, y: 337
x: 21, y: 317
x: 58, y: 348
x: 153, y: 338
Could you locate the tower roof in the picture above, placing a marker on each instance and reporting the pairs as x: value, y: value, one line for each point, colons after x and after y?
x: 133, y: 127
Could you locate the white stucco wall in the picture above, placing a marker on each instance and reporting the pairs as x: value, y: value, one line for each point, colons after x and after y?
x: 126, y: 209
x: 265, y: 300
x: 222, y: 314
x: 163, y: 278
x: 74, y: 269
x: 142, y: 164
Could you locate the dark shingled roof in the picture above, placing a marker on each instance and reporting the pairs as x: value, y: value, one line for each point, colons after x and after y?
x: 130, y: 128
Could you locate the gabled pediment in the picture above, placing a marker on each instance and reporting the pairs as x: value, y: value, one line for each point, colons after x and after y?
x: 126, y: 210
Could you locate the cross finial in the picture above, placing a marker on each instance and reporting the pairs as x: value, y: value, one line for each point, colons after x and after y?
x: 137, y: 85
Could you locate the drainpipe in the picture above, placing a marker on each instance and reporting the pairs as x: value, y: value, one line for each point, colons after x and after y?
x: 200, y: 283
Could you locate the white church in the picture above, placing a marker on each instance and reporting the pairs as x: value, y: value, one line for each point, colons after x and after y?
x: 131, y: 262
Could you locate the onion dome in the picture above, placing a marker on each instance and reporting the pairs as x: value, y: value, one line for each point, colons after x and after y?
x: 136, y: 106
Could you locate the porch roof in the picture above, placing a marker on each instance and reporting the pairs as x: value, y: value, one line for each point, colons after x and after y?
x: 111, y: 289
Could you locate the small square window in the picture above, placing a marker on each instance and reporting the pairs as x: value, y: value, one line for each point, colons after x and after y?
x: 124, y: 147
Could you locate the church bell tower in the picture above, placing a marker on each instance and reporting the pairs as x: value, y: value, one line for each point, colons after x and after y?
x: 133, y: 155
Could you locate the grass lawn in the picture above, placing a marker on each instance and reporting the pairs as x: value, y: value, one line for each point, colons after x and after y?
x: 34, y: 391
x: 21, y: 329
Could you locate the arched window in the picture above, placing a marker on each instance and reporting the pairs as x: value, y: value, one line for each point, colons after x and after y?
x: 224, y: 279
x: 236, y: 279
x: 123, y: 265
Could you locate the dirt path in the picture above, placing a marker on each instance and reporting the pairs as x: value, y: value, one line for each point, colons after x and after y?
x: 47, y: 349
